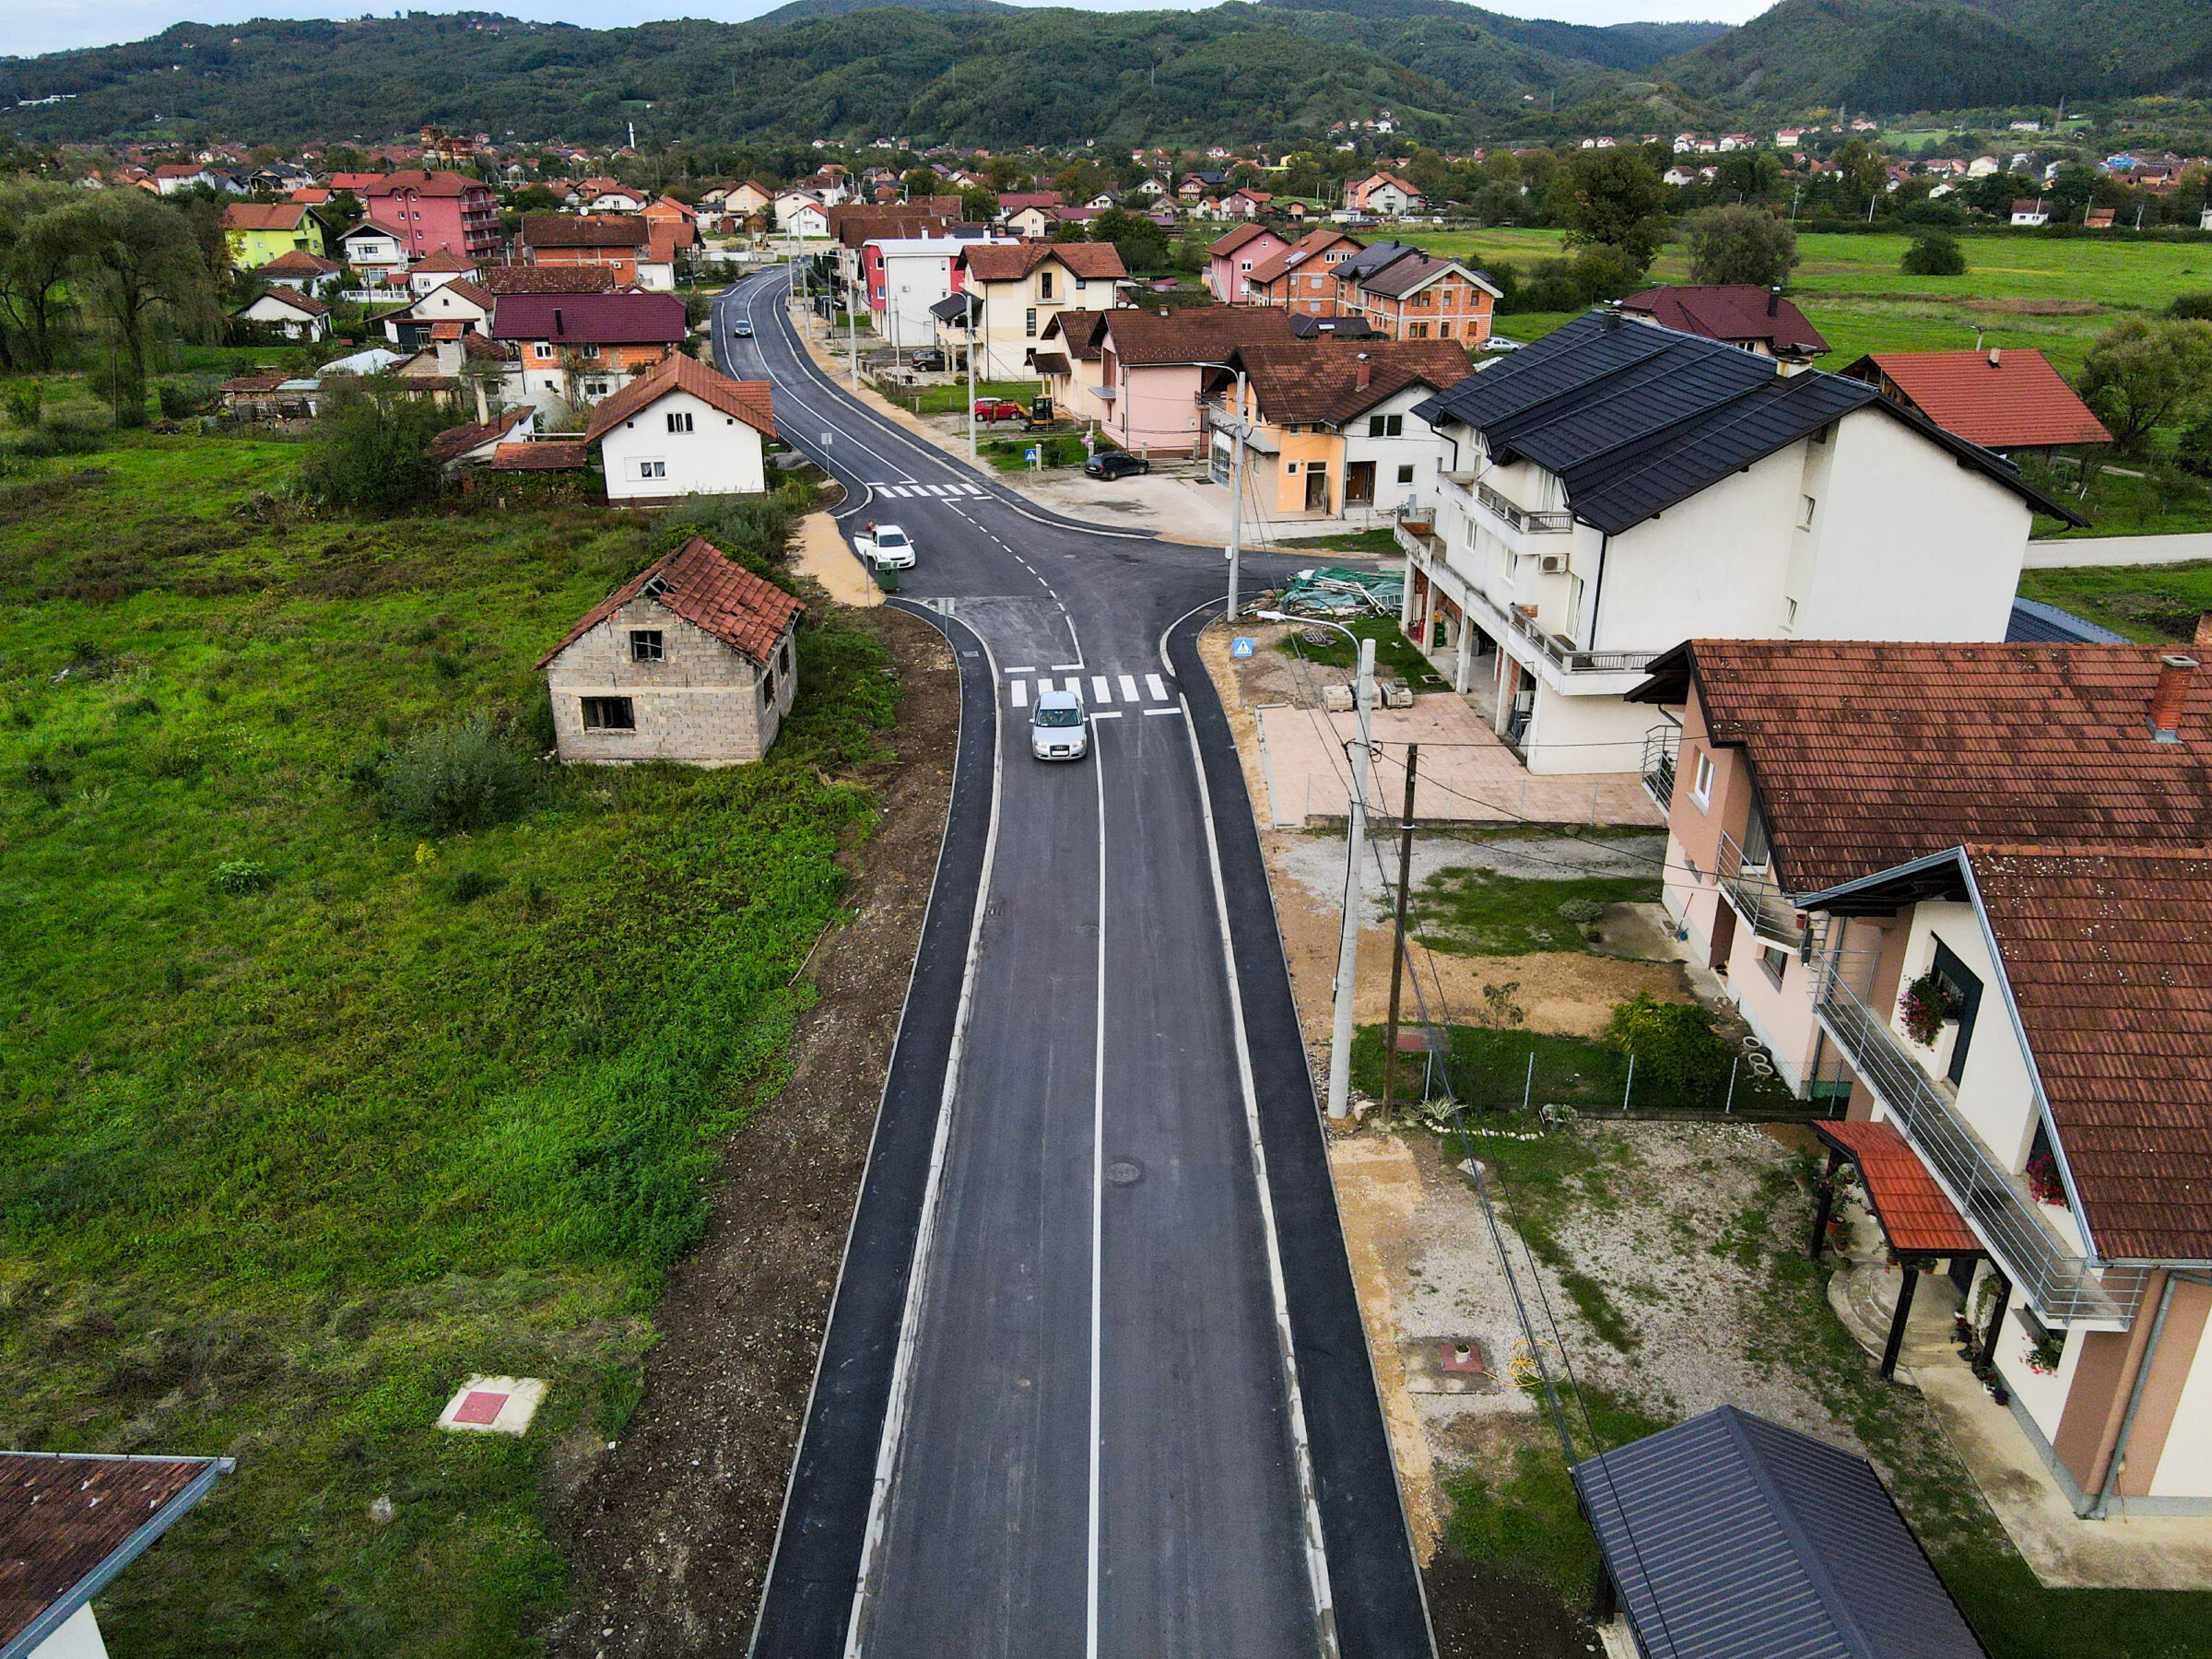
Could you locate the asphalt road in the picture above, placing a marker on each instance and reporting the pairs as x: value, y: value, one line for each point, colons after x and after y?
x: 1055, y: 1413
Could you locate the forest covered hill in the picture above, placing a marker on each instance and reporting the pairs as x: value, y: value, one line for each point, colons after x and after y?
x: 977, y: 71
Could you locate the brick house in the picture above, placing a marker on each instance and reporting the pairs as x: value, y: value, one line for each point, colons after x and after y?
x: 615, y: 242
x: 1406, y: 294
x: 693, y: 660
x: 431, y: 210
x: 1302, y: 277
x: 1963, y: 892
x: 580, y: 347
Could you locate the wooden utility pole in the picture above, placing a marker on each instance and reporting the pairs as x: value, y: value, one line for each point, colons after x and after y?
x: 1398, y: 955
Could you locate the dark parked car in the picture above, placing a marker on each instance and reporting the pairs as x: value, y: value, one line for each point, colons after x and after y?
x: 1115, y: 464
x: 928, y: 362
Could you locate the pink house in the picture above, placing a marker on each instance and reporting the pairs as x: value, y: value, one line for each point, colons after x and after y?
x: 1151, y: 364
x: 432, y: 210
x: 1231, y: 259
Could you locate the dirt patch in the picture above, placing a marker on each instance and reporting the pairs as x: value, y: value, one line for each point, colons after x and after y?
x: 668, y: 1533
x: 1480, y: 1613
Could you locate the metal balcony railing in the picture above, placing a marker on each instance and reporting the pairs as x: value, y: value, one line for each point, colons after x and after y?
x: 2063, y: 1286
x: 1520, y: 518
x: 1758, y: 898
x: 1660, y: 745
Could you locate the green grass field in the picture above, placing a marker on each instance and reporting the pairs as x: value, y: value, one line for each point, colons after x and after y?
x: 2019, y: 291
x: 306, y: 1114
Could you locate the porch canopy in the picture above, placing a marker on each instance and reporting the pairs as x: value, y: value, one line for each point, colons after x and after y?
x: 1915, y: 1215
x: 1732, y: 1538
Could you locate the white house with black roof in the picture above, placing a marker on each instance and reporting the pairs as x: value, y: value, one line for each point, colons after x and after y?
x: 1617, y: 488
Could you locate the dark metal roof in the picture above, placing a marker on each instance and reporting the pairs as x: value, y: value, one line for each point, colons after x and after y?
x: 2036, y: 622
x: 1636, y: 418
x: 1732, y: 1538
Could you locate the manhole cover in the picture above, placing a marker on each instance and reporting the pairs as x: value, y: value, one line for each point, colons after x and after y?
x: 1124, y: 1171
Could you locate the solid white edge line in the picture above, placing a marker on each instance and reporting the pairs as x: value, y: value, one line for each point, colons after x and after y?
x: 1097, y: 1237
x: 894, y: 1417
x: 814, y: 1387
x: 1317, y: 1559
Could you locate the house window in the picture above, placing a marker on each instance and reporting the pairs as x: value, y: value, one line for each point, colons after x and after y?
x: 653, y: 469
x: 609, y: 714
x: 1806, y: 517
x: 680, y: 421
x: 544, y: 352
x: 1029, y: 325
x: 590, y: 352
x: 1386, y: 426
x: 1406, y: 475
x: 768, y: 687
x: 1044, y: 284
x: 1700, y: 790
x: 1773, y: 962
x: 645, y: 645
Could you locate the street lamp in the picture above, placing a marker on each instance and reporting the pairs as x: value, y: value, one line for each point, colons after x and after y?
x: 1236, y: 483
x: 1347, y: 947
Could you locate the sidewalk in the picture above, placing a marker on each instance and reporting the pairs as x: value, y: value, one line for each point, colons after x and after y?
x: 1193, y: 511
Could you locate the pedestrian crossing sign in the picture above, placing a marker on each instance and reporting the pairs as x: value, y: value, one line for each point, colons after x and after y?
x: 1240, y: 647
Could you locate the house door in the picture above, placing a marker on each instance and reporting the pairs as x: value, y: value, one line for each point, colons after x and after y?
x: 1724, y: 935
x: 1359, y: 484
x: 1317, y: 486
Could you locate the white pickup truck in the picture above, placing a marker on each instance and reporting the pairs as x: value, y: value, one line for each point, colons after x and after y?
x: 885, y: 547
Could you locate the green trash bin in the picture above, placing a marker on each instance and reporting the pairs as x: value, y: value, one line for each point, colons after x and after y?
x: 887, y: 579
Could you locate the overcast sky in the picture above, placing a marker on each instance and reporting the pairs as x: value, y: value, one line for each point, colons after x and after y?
x: 30, y: 26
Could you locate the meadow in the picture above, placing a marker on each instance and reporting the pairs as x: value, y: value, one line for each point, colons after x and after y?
x: 306, y: 1114
x: 2054, y: 295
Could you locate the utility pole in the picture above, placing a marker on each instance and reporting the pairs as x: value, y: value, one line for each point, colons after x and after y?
x: 1347, y: 950
x: 969, y: 316
x: 852, y: 331
x: 1398, y: 955
x: 1236, y: 499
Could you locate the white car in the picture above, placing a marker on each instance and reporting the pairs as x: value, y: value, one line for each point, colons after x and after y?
x: 1057, y: 729
x: 886, y: 547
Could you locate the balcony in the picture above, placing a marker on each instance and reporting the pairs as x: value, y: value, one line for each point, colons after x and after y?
x: 1418, y: 538
x: 1658, y: 768
x: 2063, y: 1286
x: 1520, y: 518
x: 1757, y: 899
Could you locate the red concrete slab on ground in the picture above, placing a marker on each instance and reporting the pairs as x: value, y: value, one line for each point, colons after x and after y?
x: 480, y: 1407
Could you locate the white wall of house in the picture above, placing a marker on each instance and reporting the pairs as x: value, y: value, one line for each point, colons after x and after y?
x: 2043, y: 1397
x: 917, y: 274
x: 703, y: 702
x: 271, y: 312
x: 372, y: 249
x: 78, y: 1637
x: 1417, y: 447
x: 679, y: 444
x: 1996, y: 1092
x: 2185, y: 1462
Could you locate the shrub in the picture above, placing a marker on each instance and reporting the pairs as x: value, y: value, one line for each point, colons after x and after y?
x: 1679, y: 1057
x: 65, y: 435
x: 1740, y: 244
x: 2191, y: 308
x: 372, y: 454
x: 177, y: 401
x: 464, y: 775
x: 24, y: 400
x: 755, y: 531
x: 1934, y: 254
x: 470, y: 886
x: 239, y: 877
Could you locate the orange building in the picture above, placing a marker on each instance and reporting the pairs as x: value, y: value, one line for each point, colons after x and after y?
x: 1406, y: 294
x: 1302, y: 277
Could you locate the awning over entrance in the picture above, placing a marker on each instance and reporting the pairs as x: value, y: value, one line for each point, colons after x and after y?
x: 1915, y: 1216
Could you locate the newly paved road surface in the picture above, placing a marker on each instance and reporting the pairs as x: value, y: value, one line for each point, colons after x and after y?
x: 1054, y: 1415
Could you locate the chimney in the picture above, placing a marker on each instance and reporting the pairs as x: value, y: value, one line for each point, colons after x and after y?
x: 2165, y: 721
x: 558, y: 327
x: 1363, y: 373
x: 2204, y: 630
x: 1773, y: 300
x: 1996, y: 356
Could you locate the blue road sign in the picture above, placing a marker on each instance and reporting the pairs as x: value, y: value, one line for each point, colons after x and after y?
x: 1240, y: 647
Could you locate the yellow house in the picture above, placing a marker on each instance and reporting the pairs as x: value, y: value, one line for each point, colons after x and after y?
x: 1332, y: 422
x: 260, y: 231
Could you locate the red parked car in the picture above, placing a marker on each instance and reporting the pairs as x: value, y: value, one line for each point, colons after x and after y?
x: 997, y: 408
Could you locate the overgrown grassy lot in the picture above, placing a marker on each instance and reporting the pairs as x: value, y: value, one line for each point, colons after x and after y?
x: 1526, y: 1522
x: 306, y: 1114
x: 1480, y: 912
x: 2151, y: 602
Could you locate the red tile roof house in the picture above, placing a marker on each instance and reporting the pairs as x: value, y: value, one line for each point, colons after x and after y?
x: 1019, y: 287
x: 684, y: 429
x: 1966, y: 892
x: 1742, y: 313
x: 693, y: 659
x: 615, y: 240
x: 2005, y: 401
x: 1231, y: 259
x: 433, y: 210
x: 70, y: 1523
x: 1406, y: 294
x: 1301, y: 278
x: 1152, y: 366
x: 577, y: 348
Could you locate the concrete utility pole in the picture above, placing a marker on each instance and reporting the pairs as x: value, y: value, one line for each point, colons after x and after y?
x: 852, y: 335
x: 1347, y: 949
x: 1397, y: 956
x: 1236, y: 487
x: 971, y: 321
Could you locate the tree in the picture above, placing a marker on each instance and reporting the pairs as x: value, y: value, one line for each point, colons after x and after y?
x: 1070, y: 231
x: 35, y: 254
x: 372, y: 451
x: 1142, y: 244
x: 2141, y: 375
x: 1740, y: 244
x: 139, y: 265
x: 1613, y: 199
x: 921, y: 181
x: 1934, y: 254
x: 978, y: 204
